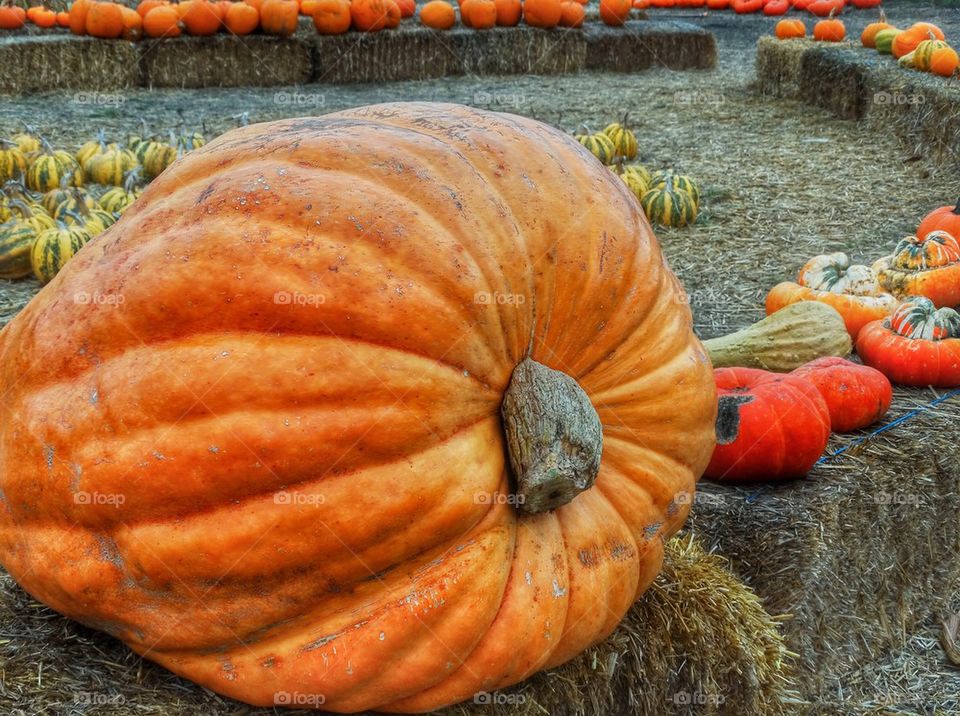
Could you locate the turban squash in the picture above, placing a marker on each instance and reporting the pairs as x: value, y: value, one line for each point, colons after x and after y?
x: 851, y: 289
x: 918, y: 345
x: 299, y: 400
x: 926, y: 265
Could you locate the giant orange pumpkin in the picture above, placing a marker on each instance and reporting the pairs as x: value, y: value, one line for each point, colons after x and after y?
x: 278, y: 464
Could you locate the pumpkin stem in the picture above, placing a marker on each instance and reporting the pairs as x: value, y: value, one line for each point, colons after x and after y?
x: 554, y: 437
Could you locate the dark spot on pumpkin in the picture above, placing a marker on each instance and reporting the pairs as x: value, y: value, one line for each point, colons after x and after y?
x: 728, y: 417
x: 588, y: 557
x: 205, y: 194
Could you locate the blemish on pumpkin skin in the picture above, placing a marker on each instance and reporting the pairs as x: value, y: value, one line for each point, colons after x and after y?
x: 650, y: 530
x: 75, y: 480
x: 94, y: 397
x: 48, y: 453
x: 558, y: 591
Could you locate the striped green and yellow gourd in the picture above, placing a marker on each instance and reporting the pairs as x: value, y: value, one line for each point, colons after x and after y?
x: 33, y: 215
x: 599, y: 145
x: 109, y: 166
x: 13, y: 163
x: 624, y: 141
x: 50, y: 168
x: 16, y: 240
x: 53, y: 248
x: 676, y: 181
x: 667, y: 206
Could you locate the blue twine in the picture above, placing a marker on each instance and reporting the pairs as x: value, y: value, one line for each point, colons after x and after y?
x: 752, y: 497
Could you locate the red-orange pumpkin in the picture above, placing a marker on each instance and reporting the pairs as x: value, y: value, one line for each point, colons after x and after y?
x: 856, y: 395
x: 918, y: 345
x: 770, y: 426
x: 299, y: 402
x: 946, y: 218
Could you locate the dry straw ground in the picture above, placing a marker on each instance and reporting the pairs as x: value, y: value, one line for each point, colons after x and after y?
x: 861, y: 558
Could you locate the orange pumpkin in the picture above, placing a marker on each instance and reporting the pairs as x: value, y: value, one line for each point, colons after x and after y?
x: 63, y: 19
x: 946, y: 218
x: 339, y: 514
x: 791, y: 28
x: 104, y: 20
x: 868, y: 38
x: 132, y: 24
x: 572, y: 14
x: 438, y: 14
x: 332, y: 17
x: 369, y: 15
x: 408, y: 8
x: 12, y: 17
x: 615, y: 12
x: 944, y: 61
x: 479, y: 14
x: 146, y: 6
x: 279, y: 17
x: 542, y: 13
x: 830, y: 30
x: 43, y: 17
x: 856, y: 395
x: 202, y: 18
x: 162, y: 21
x: 509, y: 12
x: 78, y: 17
x: 241, y: 18
x: 906, y: 42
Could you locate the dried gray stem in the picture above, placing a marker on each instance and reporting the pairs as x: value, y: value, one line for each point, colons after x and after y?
x: 553, y: 435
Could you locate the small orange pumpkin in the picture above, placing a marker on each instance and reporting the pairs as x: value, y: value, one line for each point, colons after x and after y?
x: 868, y: 38
x: 944, y: 61
x: 78, y: 17
x: 438, y: 15
x: 279, y: 17
x: 162, y: 21
x: 829, y: 30
x: 202, y: 18
x: 368, y: 15
x: 132, y: 24
x: 542, y: 13
x: 331, y: 17
x: 790, y: 28
x: 572, y: 14
x: 408, y: 8
x: 104, y: 20
x: 509, y: 12
x: 63, y: 19
x: 146, y: 6
x: 241, y: 18
x: 615, y: 12
x: 479, y: 14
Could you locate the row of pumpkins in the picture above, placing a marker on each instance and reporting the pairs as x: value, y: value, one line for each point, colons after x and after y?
x: 165, y: 19
x: 52, y: 202
x: 668, y: 198
x: 900, y: 314
x: 823, y: 8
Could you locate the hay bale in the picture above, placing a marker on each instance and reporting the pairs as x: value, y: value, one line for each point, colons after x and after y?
x: 922, y: 110
x: 861, y: 554
x: 226, y: 61
x: 642, y: 45
x: 415, y: 52
x: 697, y: 641
x: 34, y: 63
x: 778, y: 67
